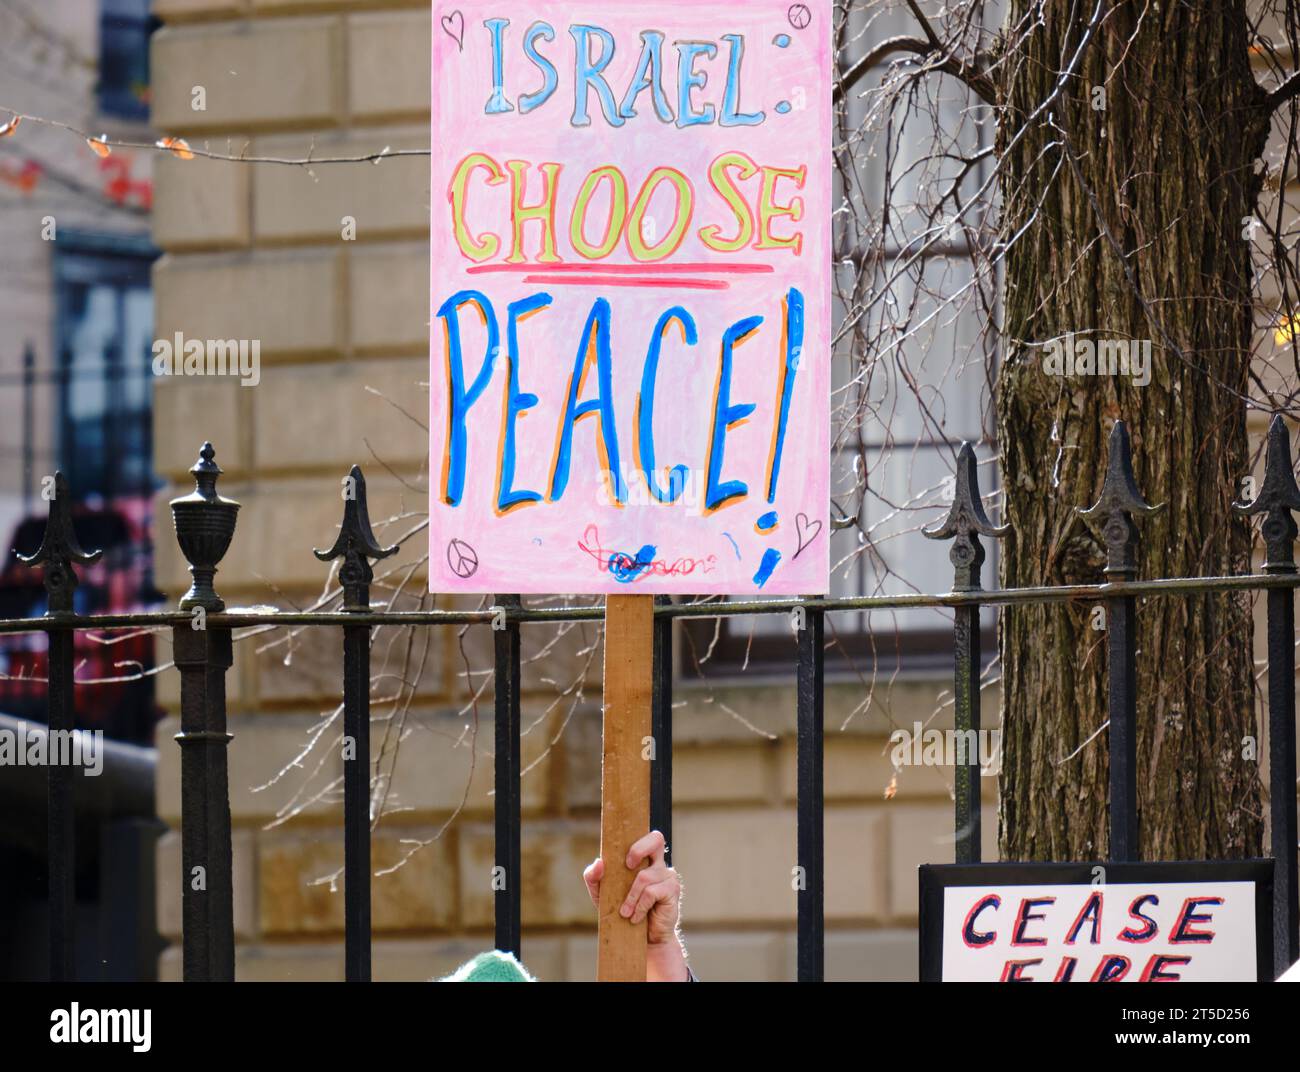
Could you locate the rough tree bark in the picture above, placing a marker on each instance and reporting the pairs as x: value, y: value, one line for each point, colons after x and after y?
x: 1165, y: 173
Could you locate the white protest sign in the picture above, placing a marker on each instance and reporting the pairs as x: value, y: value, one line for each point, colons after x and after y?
x: 1203, y: 921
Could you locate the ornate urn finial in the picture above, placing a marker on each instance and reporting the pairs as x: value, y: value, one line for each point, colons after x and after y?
x: 205, y: 525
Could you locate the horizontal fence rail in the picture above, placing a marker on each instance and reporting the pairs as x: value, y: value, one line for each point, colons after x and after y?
x: 252, y: 617
x: 203, y: 632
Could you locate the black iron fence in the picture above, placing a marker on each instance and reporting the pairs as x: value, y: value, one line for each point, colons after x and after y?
x: 202, y: 632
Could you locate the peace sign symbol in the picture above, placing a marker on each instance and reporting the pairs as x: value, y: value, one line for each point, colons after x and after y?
x: 462, y: 558
x: 799, y: 16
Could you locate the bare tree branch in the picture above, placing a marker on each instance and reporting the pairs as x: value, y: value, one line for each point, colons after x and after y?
x: 968, y: 70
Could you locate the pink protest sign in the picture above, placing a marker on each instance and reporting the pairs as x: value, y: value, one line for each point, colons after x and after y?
x: 629, y: 324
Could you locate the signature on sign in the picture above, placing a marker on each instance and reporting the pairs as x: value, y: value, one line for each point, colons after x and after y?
x: 627, y: 566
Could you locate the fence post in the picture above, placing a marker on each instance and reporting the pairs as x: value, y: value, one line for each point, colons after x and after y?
x: 810, y: 800
x: 1278, y: 496
x: 1120, y: 501
x: 507, y: 810
x: 29, y: 424
x: 58, y: 552
x: 356, y: 545
x: 205, y: 524
x: 965, y: 523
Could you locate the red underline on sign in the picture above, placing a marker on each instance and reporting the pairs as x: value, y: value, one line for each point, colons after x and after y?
x: 627, y: 281
x: 684, y: 268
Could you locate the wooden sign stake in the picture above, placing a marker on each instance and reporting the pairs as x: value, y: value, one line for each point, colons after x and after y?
x: 625, y: 779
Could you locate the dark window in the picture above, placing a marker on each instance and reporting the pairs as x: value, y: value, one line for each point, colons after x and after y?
x: 124, y: 30
x: 104, y: 336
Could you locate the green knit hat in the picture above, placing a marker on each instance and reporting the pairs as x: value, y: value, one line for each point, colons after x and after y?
x: 493, y: 967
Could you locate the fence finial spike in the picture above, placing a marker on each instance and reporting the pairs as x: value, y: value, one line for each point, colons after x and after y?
x: 60, y: 549
x: 1119, y: 502
x: 1119, y: 490
x: 965, y: 522
x: 967, y: 508
x: 1278, y: 496
x: 356, y: 544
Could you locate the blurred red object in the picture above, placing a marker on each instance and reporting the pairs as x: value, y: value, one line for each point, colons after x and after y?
x: 113, y: 670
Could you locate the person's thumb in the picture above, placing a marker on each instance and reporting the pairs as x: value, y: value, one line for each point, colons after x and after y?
x: 592, y: 876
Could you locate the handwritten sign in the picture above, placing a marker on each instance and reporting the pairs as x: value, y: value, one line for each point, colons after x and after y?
x: 1164, y: 922
x: 629, y: 320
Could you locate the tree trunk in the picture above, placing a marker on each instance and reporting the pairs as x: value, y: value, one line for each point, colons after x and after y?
x: 1166, y: 174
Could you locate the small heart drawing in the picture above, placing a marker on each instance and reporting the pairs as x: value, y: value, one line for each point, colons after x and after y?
x: 806, y: 531
x: 453, y: 26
